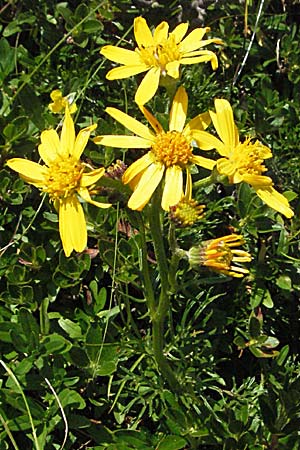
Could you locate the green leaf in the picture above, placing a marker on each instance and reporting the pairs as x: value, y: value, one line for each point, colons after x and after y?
x: 71, y: 328
x: 172, y: 442
x: 56, y: 344
x: 254, y: 327
x: 70, y: 397
x: 284, y: 282
x: 7, y: 60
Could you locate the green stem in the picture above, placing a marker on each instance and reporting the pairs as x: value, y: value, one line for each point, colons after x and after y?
x: 149, y: 293
x: 158, y: 318
x: 203, y: 182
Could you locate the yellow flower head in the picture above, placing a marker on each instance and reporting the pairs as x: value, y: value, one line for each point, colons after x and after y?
x: 220, y: 254
x: 242, y: 161
x: 187, y: 211
x: 160, y: 54
x: 64, y: 178
x: 59, y: 103
x: 170, y: 152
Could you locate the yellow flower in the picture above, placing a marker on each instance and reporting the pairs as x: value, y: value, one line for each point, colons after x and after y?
x: 160, y: 54
x: 59, y: 103
x: 64, y: 178
x: 170, y: 152
x: 242, y: 161
x: 219, y: 254
x: 187, y: 211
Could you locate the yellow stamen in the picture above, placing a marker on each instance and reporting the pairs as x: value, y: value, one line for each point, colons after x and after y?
x: 172, y: 148
x: 186, y: 212
x: 63, y: 176
x: 161, y: 54
x: 246, y: 158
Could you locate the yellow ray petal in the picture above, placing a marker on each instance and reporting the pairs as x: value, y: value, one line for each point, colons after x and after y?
x: 81, y: 140
x: 275, y: 200
x: 188, y: 186
x: 146, y: 186
x: 172, y: 69
x: 203, y: 162
x: 173, y: 187
x: 161, y: 32
x: 49, y: 147
x: 142, y: 33
x: 121, y: 55
x: 131, y: 124
x: 119, y: 73
x: 178, y: 110
x: 30, y: 171
x: 224, y: 123
x: 85, y: 195
x: 148, y: 86
x: 193, y: 40
x: 152, y: 120
x: 122, y: 141
x: 179, y: 32
x: 227, y: 167
x: 137, y: 167
x: 206, y: 56
x: 67, y: 137
x: 199, y: 122
x: 257, y: 180
x: 90, y: 178
x: 72, y: 226
x: 207, y: 141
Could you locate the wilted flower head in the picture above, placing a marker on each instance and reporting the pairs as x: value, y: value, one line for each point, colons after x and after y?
x: 220, y: 254
x: 160, y: 54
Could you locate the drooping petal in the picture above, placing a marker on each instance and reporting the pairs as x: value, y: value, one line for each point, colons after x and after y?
x: 89, y: 178
x: 137, y: 167
x: 122, y: 141
x: 121, y: 55
x: 275, y: 200
x: 206, y: 56
x: 148, y: 86
x: 179, y: 32
x: 30, y: 171
x: 199, y: 122
x: 81, y: 140
x: 203, y: 162
x: 207, y: 141
x: 67, y: 137
x: 142, y: 33
x: 72, y: 225
x: 85, y: 195
x: 224, y: 123
x: 173, y: 188
x: 178, y: 110
x: 49, y: 147
x: 161, y: 32
x: 131, y: 124
x: 119, y: 73
x: 152, y: 120
x: 193, y: 40
x: 172, y: 69
x: 146, y: 186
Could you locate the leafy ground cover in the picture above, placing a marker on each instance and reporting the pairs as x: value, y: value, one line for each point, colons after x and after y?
x: 132, y: 341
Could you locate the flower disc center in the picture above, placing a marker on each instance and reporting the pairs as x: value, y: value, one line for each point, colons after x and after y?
x: 161, y: 54
x: 63, y: 177
x: 171, y: 149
